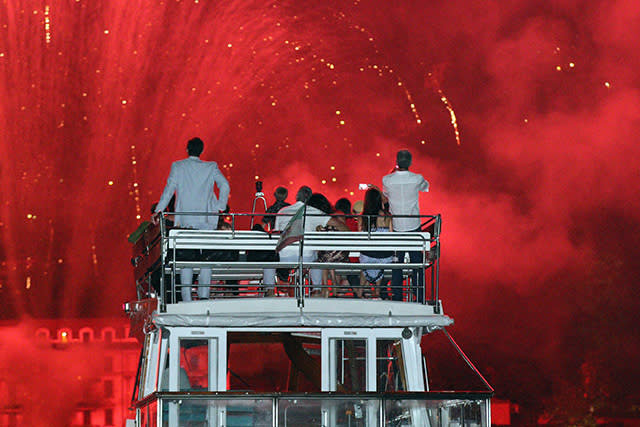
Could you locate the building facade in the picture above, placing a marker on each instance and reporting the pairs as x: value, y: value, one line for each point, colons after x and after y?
x: 77, y: 372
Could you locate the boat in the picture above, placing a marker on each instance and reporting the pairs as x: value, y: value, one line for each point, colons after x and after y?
x: 250, y: 356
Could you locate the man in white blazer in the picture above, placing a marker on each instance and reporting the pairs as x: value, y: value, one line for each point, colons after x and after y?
x: 193, y: 181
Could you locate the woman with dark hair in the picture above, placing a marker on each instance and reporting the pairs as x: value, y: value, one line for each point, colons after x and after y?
x: 374, y: 219
x: 321, y: 203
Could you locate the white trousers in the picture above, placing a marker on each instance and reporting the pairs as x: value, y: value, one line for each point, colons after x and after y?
x: 186, y: 279
x: 269, y: 274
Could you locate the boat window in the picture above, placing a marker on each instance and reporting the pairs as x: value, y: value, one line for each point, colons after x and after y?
x: 194, y: 365
x: 273, y: 362
x: 389, y: 365
x: 351, y: 365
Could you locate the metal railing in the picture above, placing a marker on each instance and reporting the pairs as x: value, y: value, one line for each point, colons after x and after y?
x: 156, y: 267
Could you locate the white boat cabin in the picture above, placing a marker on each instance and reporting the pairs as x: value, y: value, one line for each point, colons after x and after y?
x: 339, y: 353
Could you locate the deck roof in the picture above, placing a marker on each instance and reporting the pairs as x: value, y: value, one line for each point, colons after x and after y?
x: 317, y: 312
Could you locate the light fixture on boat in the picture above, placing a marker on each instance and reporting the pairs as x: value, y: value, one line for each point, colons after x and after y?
x: 406, y: 333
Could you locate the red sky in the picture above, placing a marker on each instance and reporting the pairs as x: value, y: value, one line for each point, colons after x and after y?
x: 540, y: 200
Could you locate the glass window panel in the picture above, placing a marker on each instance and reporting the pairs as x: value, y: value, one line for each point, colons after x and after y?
x: 274, y: 362
x: 233, y: 412
x: 389, y: 365
x: 194, y: 365
x: 435, y: 412
x: 333, y: 411
x: 351, y: 365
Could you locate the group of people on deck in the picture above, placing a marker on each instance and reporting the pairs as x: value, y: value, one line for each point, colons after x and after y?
x: 395, y: 208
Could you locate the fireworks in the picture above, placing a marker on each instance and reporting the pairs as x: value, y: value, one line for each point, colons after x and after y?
x: 104, y: 100
x: 433, y: 82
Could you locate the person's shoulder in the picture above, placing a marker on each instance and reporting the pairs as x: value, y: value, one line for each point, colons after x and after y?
x: 416, y: 175
x: 181, y: 162
x: 204, y: 164
x: 396, y: 174
x: 212, y: 165
x: 279, y: 205
x: 315, y: 211
x: 288, y: 208
x: 189, y: 161
x: 207, y: 163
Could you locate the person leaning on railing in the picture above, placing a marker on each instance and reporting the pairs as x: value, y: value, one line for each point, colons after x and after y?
x: 403, y: 188
x: 374, y: 219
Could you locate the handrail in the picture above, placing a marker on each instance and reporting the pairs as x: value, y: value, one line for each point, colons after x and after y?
x: 429, y: 260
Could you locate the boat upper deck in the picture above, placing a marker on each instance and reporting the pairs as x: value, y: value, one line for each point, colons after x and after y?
x: 239, y: 258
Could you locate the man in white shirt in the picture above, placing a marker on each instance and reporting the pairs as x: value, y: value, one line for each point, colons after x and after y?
x: 403, y: 188
x: 281, y: 220
x: 193, y: 181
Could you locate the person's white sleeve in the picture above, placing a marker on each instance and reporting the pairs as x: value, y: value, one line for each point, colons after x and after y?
x: 424, y: 185
x: 168, y: 191
x: 385, y: 190
x: 223, y: 187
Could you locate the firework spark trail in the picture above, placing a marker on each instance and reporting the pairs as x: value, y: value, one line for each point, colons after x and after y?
x: 452, y: 113
x: 433, y: 82
x: 399, y: 82
x: 47, y: 25
x: 105, y: 91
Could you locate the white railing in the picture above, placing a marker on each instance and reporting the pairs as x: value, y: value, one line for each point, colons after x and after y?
x: 238, y: 259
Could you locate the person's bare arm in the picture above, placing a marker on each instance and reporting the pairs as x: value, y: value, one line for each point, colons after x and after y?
x: 339, y: 225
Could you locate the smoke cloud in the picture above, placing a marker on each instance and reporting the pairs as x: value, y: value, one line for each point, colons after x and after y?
x: 540, y: 201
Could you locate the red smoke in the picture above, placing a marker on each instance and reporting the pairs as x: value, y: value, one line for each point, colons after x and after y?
x: 45, y: 383
x: 540, y: 202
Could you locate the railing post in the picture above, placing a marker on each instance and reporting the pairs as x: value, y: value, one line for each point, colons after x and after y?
x: 301, y: 263
x: 274, y: 411
x: 162, y: 296
x: 300, y: 281
x: 436, y: 267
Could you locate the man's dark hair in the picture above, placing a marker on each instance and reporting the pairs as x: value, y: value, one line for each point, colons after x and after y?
x: 344, y: 205
x: 403, y: 159
x: 281, y: 194
x: 195, y: 147
x: 303, y: 194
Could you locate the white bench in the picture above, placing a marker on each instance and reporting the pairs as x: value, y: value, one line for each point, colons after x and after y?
x: 243, y: 242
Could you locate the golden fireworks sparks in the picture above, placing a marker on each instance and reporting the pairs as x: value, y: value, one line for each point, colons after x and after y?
x: 433, y: 82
